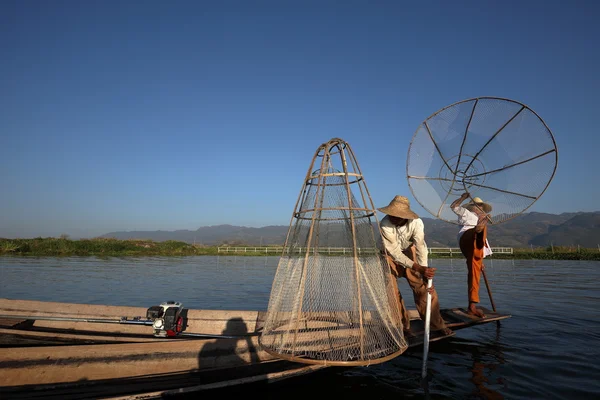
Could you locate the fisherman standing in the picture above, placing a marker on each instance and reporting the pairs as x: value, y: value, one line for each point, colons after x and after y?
x: 473, y: 243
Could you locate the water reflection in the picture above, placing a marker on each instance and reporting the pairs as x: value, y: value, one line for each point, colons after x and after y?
x: 485, y: 363
x: 482, y: 359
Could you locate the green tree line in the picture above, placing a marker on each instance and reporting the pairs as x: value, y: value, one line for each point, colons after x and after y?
x: 107, y: 247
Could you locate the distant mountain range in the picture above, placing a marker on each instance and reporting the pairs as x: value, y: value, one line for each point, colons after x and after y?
x: 537, y: 229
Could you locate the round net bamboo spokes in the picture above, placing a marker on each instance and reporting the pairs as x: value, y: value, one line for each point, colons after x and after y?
x: 496, y: 149
x: 332, y: 300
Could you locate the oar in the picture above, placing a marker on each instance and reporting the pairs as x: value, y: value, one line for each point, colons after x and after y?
x: 487, y: 285
x: 426, y: 335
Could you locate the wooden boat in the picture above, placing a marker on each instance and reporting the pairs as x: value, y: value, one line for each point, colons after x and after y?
x: 66, y: 350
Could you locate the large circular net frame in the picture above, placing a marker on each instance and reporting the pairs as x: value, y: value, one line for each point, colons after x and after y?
x: 496, y: 149
x: 332, y: 300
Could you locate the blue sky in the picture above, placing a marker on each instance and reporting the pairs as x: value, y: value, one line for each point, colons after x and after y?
x: 130, y: 115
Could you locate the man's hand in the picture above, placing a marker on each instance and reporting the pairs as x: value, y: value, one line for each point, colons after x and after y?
x: 458, y: 201
x: 428, y: 273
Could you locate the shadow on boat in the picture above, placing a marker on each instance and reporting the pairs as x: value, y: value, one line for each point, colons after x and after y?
x: 32, y: 365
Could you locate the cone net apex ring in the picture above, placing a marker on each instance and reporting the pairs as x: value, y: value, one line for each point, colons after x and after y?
x: 333, y: 308
x: 496, y: 149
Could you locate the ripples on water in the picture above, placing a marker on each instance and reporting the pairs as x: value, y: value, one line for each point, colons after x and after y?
x: 549, y: 349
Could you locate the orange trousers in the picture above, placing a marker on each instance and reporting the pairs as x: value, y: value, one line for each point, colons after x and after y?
x: 419, y: 288
x: 471, y: 245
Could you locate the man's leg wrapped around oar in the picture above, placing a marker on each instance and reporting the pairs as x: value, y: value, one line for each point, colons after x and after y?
x: 419, y: 288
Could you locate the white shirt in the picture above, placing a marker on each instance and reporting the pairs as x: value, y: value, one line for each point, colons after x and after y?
x: 466, y: 218
x: 396, y: 239
x: 469, y: 220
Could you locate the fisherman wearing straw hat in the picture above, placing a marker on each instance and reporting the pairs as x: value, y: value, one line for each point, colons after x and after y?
x: 403, y: 236
x: 473, y: 243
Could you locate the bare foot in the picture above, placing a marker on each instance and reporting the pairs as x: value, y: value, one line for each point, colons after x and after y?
x: 474, y: 311
x: 446, y: 331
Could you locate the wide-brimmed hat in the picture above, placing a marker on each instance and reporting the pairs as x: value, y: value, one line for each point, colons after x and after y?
x: 399, y: 207
x: 477, y: 202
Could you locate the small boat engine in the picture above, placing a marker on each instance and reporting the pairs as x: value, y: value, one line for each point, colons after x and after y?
x: 167, y: 318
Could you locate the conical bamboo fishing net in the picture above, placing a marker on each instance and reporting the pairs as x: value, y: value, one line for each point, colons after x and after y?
x: 496, y: 149
x: 332, y: 300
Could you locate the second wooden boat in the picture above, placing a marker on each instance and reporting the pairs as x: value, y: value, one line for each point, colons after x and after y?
x: 68, y: 351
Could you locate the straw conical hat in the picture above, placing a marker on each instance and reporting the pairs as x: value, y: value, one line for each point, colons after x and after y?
x: 481, y: 204
x: 399, y: 207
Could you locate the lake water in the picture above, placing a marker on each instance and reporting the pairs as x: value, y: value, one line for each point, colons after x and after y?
x: 549, y: 349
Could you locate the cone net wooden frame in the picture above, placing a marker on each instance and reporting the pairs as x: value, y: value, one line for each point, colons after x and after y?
x: 329, y: 307
x: 496, y: 149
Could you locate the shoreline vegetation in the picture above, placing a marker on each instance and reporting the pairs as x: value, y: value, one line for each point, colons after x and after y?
x: 108, y: 247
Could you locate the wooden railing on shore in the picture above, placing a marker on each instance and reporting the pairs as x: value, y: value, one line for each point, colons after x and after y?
x: 346, y: 250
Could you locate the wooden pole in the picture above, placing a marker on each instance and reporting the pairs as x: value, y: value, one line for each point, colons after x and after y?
x: 487, y: 285
x: 268, y: 377
x: 427, y: 321
x: 426, y: 334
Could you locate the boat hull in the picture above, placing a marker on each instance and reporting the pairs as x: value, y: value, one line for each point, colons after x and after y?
x: 73, y: 359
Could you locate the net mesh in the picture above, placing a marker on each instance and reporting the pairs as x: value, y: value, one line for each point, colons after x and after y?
x: 496, y: 149
x: 332, y: 300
